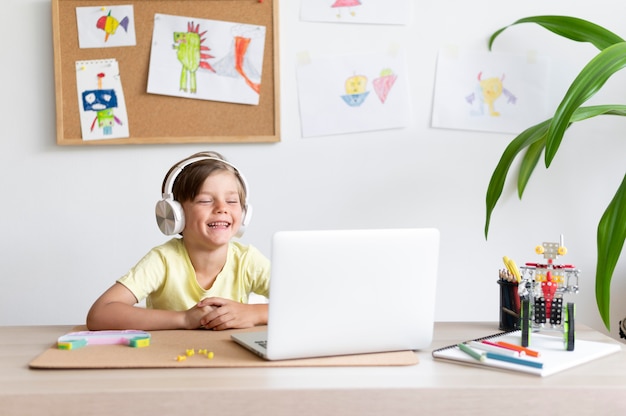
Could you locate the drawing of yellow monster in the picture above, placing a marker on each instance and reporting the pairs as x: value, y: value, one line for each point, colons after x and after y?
x: 488, y: 91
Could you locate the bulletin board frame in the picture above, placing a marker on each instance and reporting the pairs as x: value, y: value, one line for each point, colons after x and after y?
x: 153, y: 118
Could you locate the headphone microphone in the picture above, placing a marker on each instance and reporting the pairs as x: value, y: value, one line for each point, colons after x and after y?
x: 170, y: 216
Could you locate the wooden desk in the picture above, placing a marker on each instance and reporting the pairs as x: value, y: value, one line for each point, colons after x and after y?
x: 430, y: 388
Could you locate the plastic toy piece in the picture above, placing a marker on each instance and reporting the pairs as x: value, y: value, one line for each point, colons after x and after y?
x: 140, y: 342
x: 190, y: 352
x: 132, y: 338
x: 72, y: 345
x: 541, y: 291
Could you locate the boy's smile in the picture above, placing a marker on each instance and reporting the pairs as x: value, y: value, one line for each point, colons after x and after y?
x: 219, y: 224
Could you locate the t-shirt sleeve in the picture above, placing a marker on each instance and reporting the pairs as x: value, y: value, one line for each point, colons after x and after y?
x: 259, y: 272
x: 146, y: 277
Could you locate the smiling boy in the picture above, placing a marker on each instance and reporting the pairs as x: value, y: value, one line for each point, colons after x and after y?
x: 203, y: 279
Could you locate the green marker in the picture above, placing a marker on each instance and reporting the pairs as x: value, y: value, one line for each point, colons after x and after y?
x: 469, y: 351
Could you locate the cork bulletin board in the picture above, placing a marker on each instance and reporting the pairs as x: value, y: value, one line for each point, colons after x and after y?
x: 154, y: 118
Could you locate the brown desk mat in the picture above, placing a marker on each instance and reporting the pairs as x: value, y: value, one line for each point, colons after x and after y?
x: 166, y: 346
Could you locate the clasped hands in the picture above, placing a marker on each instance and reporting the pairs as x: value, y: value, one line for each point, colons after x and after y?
x: 219, y: 314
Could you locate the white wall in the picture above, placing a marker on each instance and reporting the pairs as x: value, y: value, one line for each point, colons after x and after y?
x: 76, y: 218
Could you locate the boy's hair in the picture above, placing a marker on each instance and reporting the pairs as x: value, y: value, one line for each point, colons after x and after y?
x: 190, y: 179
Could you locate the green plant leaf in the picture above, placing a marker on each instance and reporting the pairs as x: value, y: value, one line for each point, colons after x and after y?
x: 584, y: 113
x: 533, y: 136
x: 533, y: 153
x: 611, y: 236
x: 531, y: 158
x: 573, y: 28
x: 498, y: 178
x: 590, y: 79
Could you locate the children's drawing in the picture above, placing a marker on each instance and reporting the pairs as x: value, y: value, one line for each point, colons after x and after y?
x: 237, y: 63
x: 210, y: 59
x: 356, y: 87
x: 102, y: 102
x: 102, y: 109
x: 322, y: 81
x: 103, y: 27
x: 192, y: 54
x: 109, y: 25
x: 383, y: 84
x: 355, y: 90
x: 391, y: 12
x: 348, y: 4
x: 488, y: 91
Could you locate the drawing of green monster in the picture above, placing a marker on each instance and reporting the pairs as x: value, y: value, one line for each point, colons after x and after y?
x: 191, y: 53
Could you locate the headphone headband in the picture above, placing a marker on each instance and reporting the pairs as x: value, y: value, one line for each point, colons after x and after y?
x: 168, y: 185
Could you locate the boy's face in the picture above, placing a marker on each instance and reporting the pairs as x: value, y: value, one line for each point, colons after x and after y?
x: 215, y: 215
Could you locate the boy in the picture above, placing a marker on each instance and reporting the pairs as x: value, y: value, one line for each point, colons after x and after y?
x: 203, y: 279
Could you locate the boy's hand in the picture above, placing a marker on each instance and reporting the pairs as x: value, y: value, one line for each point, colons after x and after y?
x: 228, y: 314
x: 194, y: 315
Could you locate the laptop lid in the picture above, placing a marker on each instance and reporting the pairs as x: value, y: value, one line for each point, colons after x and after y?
x: 335, y: 292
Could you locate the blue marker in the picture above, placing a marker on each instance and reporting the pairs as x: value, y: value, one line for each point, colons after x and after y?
x: 514, y: 360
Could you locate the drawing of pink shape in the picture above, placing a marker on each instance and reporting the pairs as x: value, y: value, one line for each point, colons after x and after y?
x: 346, y: 3
x: 383, y: 85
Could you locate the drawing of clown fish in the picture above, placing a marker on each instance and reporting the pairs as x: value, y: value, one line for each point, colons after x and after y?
x: 110, y: 24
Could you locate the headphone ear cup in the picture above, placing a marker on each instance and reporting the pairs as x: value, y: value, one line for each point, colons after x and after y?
x: 170, y: 216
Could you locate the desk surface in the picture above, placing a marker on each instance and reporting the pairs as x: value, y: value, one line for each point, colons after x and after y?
x: 431, y: 387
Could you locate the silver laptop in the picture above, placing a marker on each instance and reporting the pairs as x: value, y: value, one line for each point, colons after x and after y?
x: 339, y: 292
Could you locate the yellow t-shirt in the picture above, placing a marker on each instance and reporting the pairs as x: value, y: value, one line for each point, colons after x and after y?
x: 166, y: 279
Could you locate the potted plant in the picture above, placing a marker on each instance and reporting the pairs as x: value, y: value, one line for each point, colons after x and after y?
x: 546, y: 137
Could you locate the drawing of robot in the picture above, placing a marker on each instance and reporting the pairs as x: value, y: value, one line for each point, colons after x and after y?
x: 103, y: 102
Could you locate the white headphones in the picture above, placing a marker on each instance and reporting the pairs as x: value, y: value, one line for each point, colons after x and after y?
x: 170, y: 216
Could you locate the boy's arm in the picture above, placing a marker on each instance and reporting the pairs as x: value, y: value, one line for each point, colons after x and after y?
x: 115, y: 310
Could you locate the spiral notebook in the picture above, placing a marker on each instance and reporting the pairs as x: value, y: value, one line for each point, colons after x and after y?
x: 552, y: 358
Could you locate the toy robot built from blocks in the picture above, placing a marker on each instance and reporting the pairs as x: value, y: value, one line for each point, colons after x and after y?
x: 542, y: 288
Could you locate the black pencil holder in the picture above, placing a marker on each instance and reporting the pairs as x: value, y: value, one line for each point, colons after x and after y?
x: 509, y: 306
